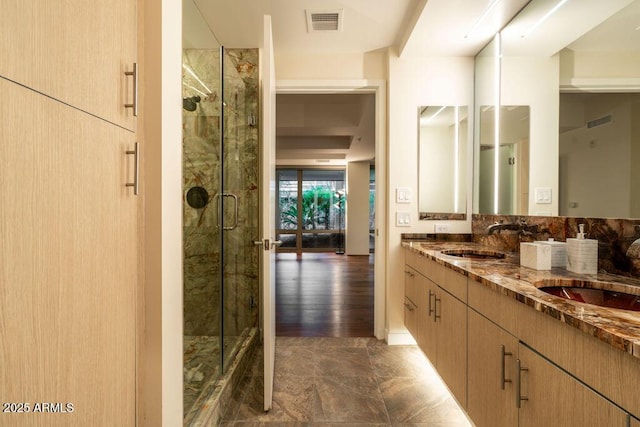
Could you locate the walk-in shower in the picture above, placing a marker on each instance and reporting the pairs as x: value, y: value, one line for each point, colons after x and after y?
x: 220, y: 201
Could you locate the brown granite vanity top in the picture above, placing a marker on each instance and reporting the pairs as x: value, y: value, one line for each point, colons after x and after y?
x: 617, y: 327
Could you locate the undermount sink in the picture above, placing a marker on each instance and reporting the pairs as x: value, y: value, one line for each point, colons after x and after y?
x: 473, y: 254
x: 604, y: 294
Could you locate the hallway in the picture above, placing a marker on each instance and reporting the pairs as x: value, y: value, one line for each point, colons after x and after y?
x: 324, y: 295
x: 345, y: 382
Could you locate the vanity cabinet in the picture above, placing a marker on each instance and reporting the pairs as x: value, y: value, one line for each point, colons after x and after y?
x: 441, y: 330
x: 549, y: 396
x: 492, y: 355
x: 410, y: 299
x: 75, y: 51
x: 515, y: 365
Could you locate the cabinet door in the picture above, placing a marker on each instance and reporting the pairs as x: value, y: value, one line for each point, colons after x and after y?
x: 556, y: 399
x: 428, y: 327
x: 410, y: 299
x: 68, y: 264
x: 492, y: 354
x: 76, y: 51
x: 422, y: 318
x: 634, y: 422
x: 451, y: 359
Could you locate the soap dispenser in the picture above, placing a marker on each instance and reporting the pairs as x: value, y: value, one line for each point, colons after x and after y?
x: 582, y: 253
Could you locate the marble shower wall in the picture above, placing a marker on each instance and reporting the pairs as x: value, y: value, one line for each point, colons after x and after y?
x: 614, y: 236
x: 202, y: 162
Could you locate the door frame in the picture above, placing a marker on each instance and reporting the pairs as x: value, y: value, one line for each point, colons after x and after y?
x: 378, y: 88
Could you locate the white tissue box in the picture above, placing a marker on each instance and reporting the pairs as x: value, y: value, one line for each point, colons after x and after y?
x: 534, y: 255
x: 582, y: 256
x: 558, y: 252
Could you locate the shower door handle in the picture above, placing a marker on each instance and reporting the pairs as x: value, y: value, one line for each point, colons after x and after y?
x: 235, y: 210
x: 276, y: 243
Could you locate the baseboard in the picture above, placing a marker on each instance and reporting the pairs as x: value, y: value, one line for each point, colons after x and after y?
x: 399, y: 338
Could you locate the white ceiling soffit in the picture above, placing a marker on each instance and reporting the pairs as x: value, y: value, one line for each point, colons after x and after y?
x: 457, y: 27
x: 571, y: 21
x: 368, y: 24
x: 619, y: 33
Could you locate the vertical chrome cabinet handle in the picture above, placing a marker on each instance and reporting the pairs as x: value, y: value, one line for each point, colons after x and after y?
x: 519, y: 396
x: 436, y: 304
x: 136, y: 168
x: 503, y: 355
x: 134, y: 104
x: 431, y: 310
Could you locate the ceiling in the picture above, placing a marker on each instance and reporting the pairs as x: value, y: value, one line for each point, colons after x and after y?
x: 339, y: 128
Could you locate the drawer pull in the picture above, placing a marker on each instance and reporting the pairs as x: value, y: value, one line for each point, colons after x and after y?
x: 134, y: 104
x: 503, y: 354
x: 431, y: 310
x: 519, y: 396
x: 136, y: 168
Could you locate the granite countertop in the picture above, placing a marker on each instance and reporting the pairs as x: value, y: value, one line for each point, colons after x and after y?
x: 619, y: 328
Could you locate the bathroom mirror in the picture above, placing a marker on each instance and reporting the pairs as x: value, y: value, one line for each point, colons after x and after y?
x: 504, y: 166
x: 442, y: 156
x: 538, y: 62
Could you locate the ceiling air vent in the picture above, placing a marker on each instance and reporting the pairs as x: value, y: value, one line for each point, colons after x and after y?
x: 599, y: 122
x: 324, y: 20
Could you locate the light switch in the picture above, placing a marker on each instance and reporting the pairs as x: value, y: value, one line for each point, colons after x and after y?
x: 403, y: 219
x: 543, y: 195
x: 404, y: 195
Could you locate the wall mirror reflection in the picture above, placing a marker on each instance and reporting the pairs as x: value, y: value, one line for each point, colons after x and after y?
x: 443, y: 147
x: 537, y: 59
x: 504, y: 160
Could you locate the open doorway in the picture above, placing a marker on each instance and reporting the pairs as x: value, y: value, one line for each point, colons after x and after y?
x: 325, y: 186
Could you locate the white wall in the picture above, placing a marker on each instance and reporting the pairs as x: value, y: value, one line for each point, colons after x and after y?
x: 534, y: 81
x: 344, y: 66
x: 605, y: 148
x: 413, y: 82
x: 162, y: 169
x: 357, y: 213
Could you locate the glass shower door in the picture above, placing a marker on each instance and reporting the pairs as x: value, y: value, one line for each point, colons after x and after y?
x: 240, y: 198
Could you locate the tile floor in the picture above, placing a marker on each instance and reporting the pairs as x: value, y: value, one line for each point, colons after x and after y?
x: 345, y: 382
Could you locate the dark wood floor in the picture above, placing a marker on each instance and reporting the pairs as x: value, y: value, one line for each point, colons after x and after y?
x: 324, y: 295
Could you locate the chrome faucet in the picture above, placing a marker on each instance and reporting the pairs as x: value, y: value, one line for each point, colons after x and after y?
x: 520, y: 226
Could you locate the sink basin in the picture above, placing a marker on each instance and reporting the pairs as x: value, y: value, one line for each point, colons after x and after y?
x: 604, y: 294
x: 473, y: 254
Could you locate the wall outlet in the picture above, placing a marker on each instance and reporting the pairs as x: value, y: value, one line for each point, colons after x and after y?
x: 441, y: 228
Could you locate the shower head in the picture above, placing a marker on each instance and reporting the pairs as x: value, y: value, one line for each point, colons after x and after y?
x: 190, y: 104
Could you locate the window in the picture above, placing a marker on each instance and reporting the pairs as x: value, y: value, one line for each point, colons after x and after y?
x: 310, y: 209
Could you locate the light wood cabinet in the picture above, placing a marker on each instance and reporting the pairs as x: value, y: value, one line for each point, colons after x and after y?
x: 410, y: 300
x: 428, y: 331
x: 552, y: 397
x: 477, y: 337
x: 452, y: 344
x: 75, y: 51
x: 492, y: 354
x: 68, y: 261
x: 441, y: 330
